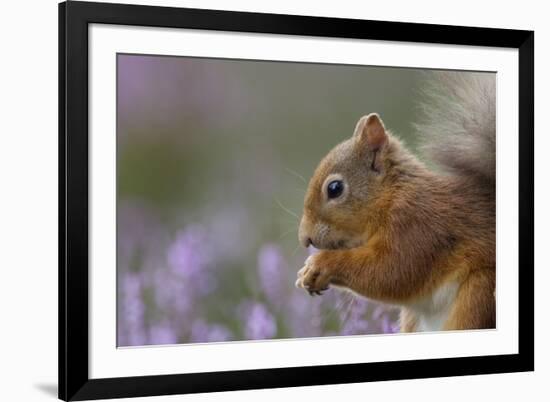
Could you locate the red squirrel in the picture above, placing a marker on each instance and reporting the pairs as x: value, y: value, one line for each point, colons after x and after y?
x: 390, y: 229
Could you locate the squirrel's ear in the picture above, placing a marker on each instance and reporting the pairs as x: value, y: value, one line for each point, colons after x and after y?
x: 370, y: 132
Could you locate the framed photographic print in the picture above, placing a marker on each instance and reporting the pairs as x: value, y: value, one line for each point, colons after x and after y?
x: 258, y: 201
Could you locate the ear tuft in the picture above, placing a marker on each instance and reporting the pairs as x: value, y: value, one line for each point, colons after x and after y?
x: 371, y: 132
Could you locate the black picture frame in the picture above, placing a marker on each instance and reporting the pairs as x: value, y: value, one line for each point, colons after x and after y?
x: 74, y: 381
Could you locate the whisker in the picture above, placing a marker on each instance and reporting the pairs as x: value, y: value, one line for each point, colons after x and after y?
x: 295, y: 250
x: 289, y: 220
x: 288, y: 232
x: 336, y: 308
x: 299, y: 176
x: 287, y: 210
x: 349, y: 307
x: 344, y: 299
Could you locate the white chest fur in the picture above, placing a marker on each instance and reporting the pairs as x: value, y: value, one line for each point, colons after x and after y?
x: 432, y: 312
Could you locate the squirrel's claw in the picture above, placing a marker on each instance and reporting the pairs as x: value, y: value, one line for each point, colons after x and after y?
x: 321, y: 291
x: 312, y: 292
x: 315, y: 292
x: 308, y: 279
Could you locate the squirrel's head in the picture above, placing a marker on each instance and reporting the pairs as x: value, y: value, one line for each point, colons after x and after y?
x: 340, y: 203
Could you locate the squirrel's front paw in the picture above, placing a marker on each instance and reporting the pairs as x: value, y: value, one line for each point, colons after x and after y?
x: 312, y: 277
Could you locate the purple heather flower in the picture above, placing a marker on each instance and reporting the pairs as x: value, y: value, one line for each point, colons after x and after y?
x: 272, y: 271
x: 140, y: 236
x: 172, y: 294
x: 259, y: 323
x: 356, y: 322
x: 303, y: 314
x: 388, y: 327
x: 162, y: 334
x: 201, y: 331
x: 382, y: 315
x: 189, y: 259
x: 219, y: 333
x: 132, y: 311
x: 378, y: 312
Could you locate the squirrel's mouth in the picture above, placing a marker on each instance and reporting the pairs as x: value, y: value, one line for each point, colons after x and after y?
x: 323, y: 236
x: 337, y: 244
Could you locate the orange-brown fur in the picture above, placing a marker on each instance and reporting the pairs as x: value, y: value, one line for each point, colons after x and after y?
x: 402, y: 231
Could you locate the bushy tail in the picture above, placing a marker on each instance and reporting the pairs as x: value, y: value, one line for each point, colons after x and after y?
x: 458, y: 123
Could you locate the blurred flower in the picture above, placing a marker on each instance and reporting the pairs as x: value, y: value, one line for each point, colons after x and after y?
x: 162, y: 334
x: 166, y: 286
x: 201, y: 331
x: 219, y: 333
x: 141, y: 238
x: 303, y: 314
x: 189, y: 150
x: 386, y: 318
x: 272, y: 271
x: 389, y: 326
x: 259, y: 323
x: 171, y: 293
x: 355, y: 322
x: 189, y: 258
x: 131, y: 332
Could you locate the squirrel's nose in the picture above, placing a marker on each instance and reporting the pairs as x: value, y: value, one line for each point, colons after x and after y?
x: 305, y: 241
x: 304, y: 232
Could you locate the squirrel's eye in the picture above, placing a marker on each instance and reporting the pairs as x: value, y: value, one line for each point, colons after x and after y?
x: 335, y: 189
